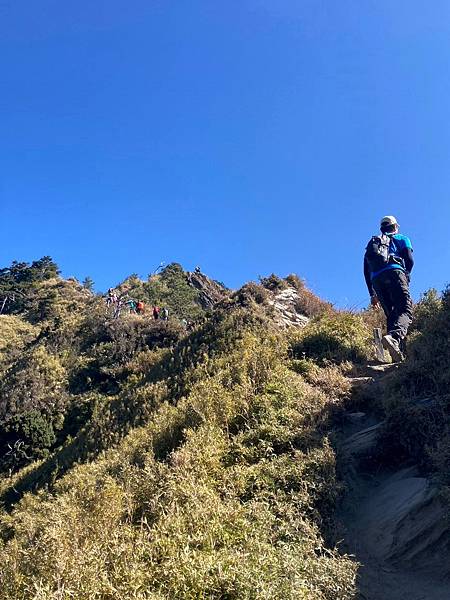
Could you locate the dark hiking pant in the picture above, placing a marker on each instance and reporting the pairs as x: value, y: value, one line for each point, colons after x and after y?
x: 392, y: 289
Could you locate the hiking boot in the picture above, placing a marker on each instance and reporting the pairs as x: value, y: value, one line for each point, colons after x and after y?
x: 393, y: 347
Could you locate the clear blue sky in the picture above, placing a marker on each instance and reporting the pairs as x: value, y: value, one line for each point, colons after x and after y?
x: 245, y: 136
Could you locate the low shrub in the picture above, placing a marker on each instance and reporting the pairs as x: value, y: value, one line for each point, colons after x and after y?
x: 273, y: 283
x: 416, y: 398
x: 336, y: 337
x: 251, y: 292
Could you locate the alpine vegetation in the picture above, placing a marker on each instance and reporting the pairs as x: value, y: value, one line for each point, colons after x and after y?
x: 187, y: 452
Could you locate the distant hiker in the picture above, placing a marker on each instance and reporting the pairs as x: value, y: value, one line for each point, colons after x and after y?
x: 388, y: 262
x: 165, y: 313
x: 140, y: 307
x: 118, y: 304
x: 111, y: 298
x: 132, y: 306
x: 197, y: 270
x: 184, y: 323
x: 156, y: 311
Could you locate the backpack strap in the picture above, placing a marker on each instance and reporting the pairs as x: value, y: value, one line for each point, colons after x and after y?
x: 395, y: 254
x: 393, y: 244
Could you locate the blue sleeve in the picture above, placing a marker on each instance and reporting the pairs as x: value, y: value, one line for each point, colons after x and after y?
x: 406, y: 252
x: 407, y: 242
x: 404, y: 243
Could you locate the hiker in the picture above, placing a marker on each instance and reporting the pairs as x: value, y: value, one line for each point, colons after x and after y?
x: 119, y: 304
x: 140, y: 307
x: 132, y: 306
x: 156, y: 312
x: 388, y: 262
x: 111, y: 297
x: 112, y: 302
x: 165, y: 313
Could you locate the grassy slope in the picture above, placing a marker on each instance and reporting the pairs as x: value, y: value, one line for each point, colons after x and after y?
x: 205, y: 471
x: 170, y: 465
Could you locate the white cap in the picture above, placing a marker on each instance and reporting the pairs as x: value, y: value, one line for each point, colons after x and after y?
x: 387, y: 221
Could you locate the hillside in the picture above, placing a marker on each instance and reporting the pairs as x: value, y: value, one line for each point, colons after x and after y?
x: 198, y: 456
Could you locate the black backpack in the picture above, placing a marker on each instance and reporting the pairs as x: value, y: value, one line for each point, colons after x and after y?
x: 378, y: 252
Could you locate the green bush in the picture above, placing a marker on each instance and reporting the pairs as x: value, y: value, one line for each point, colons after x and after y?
x: 33, y: 400
x: 19, y: 281
x: 273, y: 283
x: 251, y: 293
x: 26, y: 435
x: 337, y: 337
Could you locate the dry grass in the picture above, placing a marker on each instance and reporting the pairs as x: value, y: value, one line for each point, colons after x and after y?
x: 227, y: 494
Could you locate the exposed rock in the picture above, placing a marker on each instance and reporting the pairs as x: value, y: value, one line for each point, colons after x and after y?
x: 355, y: 417
x: 362, y: 442
x: 402, y: 521
x: 377, y: 370
x: 284, y: 304
x: 395, y: 523
x: 361, y: 381
x: 407, y: 523
x: 210, y: 292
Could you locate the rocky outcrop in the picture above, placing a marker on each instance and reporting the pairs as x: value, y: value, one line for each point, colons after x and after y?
x: 210, y: 292
x: 284, y: 305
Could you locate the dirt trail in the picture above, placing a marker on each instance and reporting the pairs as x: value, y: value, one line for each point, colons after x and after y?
x: 392, y: 521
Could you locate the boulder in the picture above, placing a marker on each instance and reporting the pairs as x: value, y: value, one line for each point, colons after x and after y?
x: 284, y: 305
